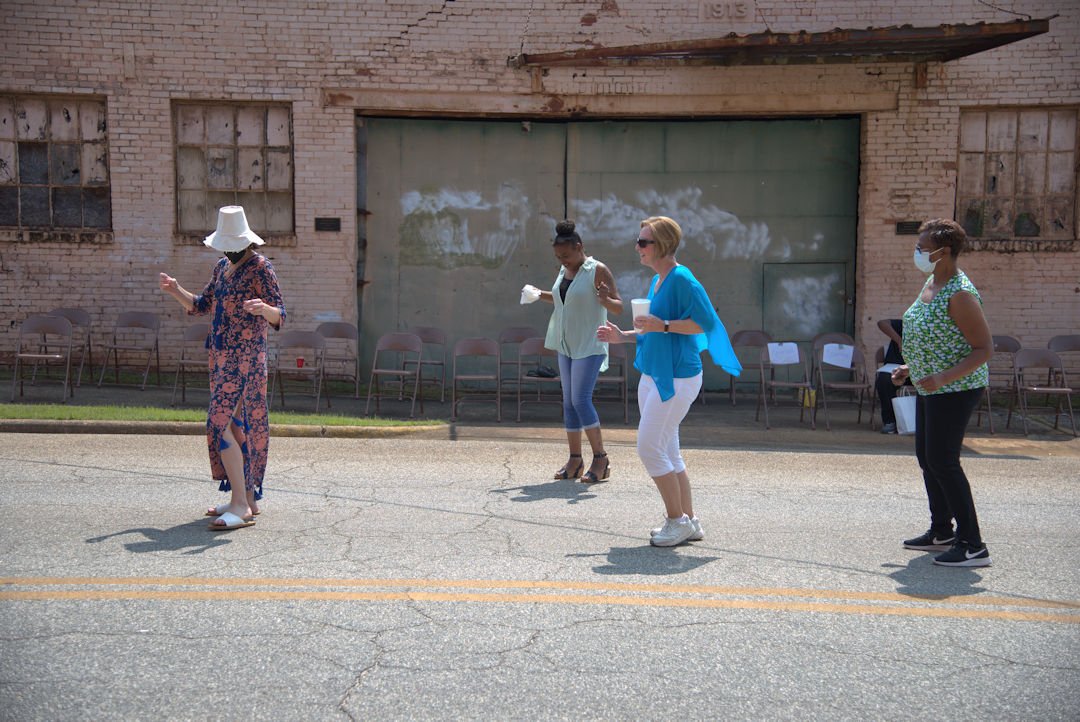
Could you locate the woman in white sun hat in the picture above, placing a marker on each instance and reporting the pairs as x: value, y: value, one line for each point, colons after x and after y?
x: 243, y: 298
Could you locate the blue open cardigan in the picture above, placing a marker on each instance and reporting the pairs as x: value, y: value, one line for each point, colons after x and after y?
x: 666, y: 356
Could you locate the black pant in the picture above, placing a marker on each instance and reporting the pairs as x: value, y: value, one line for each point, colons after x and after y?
x: 940, y: 423
x: 886, y: 392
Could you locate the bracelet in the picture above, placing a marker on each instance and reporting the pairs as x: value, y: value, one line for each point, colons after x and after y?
x: 666, y: 325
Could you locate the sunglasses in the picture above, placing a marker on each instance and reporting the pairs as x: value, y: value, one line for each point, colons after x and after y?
x: 642, y: 242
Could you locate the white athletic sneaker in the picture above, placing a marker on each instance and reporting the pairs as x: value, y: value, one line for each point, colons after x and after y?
x: 698, y: 535
x: 674, y: 532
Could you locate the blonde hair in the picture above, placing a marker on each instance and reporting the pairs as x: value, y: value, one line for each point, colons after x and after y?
x: 665, y: 232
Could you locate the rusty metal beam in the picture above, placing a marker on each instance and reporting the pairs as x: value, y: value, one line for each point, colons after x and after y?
x: 893, y: 44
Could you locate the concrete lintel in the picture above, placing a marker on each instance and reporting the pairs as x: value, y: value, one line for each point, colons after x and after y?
x: 419, y: 103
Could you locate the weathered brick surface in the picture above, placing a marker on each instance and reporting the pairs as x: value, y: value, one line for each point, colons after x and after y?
x: 142, y: 56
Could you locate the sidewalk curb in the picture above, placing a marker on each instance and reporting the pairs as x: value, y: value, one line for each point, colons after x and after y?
x: 198, y: 428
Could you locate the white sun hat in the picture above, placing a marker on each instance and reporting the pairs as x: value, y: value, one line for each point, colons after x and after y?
x: 233, y: 233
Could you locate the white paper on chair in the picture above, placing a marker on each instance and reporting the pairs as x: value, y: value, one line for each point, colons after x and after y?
x: 888, y: 368
x: 837, y: 354
x: 783, y: 353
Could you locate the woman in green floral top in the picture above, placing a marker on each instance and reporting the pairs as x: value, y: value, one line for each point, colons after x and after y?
x: 946, y: 345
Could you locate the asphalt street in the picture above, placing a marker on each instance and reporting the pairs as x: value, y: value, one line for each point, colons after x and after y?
x: 446, y: 576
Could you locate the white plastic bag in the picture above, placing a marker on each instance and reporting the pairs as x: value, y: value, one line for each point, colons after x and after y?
x: 529, y: 294
x: 904, y: 409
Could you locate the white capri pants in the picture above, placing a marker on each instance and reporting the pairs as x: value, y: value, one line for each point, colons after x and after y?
x: 658, y: 430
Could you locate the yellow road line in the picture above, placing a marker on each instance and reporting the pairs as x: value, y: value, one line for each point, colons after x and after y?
x: 994, y: 601
x: 704, y: 596
x: 586, y: 599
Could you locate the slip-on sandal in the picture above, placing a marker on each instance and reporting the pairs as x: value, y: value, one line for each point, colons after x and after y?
x: 232, y: 521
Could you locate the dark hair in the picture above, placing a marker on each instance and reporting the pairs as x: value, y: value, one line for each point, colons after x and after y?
x: 565, y: 233
x: 945, y: 233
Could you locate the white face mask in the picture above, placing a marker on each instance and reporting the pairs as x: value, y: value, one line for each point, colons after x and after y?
x: 923, y: 262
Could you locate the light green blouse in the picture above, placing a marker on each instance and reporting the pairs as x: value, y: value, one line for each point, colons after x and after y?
x: 932, y: 342
x: 572, y: 328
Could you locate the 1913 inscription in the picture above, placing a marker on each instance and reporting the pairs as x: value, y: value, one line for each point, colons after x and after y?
x: 729, y: 10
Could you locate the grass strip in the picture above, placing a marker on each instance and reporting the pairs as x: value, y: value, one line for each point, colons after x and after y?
x: 62, y: 412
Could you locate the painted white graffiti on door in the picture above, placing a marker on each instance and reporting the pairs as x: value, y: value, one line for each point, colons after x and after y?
x: 450, y: 227
x: 718, y: 232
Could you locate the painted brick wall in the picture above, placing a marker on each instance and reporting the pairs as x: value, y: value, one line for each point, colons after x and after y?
x: 142, y: 56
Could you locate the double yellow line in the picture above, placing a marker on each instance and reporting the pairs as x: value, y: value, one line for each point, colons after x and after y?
x: 781, y: 599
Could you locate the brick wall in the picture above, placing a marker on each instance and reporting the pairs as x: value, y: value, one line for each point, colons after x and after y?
x: 141, y: 57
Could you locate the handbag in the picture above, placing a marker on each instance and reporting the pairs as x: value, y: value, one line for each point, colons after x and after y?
x: 904, y: 410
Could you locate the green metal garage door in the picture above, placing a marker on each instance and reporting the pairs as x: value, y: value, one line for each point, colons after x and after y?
x: 462, y: 214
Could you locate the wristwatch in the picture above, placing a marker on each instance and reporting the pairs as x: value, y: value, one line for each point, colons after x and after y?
x: 666, y: 324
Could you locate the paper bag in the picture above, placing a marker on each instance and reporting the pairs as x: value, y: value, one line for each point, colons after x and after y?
x: 904, y: 409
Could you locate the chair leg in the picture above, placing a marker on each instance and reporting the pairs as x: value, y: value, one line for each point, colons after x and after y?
x: 15, y: 376
x: 104, y: 367
x: 824, y: 405
x: 69, y: 389
x: 1023, y: 411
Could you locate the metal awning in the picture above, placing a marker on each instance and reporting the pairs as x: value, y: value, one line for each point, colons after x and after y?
x: 872, y: 45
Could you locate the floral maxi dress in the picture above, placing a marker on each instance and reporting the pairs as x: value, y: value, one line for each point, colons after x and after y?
x: 237, y: 346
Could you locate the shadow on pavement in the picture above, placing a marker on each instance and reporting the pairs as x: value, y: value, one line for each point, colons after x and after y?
x: 190, y: 538
x: 647, y: 560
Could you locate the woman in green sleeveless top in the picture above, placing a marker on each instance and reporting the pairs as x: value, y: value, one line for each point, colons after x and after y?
x: 583, y: 294
x: 946, y: 345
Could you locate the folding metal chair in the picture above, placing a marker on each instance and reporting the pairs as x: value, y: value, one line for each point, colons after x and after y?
x: 135, y: 331
x: 80, y: 319
x: 781, y: 356
x: 531, y: 355
x: 476, y: 361
x: 194, y: 356
x: 853, y: 378
x: 341, y: 360
x: 1001, y: 376
x: 36, y: 333
x: 299, y: 355
x: 617, y: 375
x: 1046, y: 363
x: 509, y: 339
x: 748, y: 338
x: 397, y: 343
x: 434, y: 356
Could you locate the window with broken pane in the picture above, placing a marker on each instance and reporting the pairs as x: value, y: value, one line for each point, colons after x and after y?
x: 234, y: 154
x: 1016, y: 176
x: 54, y: 163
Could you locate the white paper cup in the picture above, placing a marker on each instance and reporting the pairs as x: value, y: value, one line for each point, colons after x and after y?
x: 639, y: 307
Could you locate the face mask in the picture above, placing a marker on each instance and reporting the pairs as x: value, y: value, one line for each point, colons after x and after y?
x: 235, y: 256
x: 923, y: 262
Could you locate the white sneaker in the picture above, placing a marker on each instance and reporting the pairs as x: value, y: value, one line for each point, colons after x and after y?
x: 698, y: 535
x: 674, y: 532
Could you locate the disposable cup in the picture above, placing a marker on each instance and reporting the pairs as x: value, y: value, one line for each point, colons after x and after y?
x: 299, y: 362
x: 639, y: 307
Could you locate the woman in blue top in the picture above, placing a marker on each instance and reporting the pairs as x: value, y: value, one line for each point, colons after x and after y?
x: 680, y: 325
x: 583, y: 294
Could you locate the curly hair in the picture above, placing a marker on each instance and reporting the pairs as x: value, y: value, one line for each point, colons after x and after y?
x: 945, y: 233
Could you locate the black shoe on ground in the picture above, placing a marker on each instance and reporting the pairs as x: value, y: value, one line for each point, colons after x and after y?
x: 888, y: 429
x: 931, y: 541
x: 962, y: 554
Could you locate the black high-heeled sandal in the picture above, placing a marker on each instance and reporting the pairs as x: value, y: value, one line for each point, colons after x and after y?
x: 564, y: 473
x: 590, y: 478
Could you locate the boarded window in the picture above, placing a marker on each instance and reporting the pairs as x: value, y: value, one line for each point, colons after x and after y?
x: 54, y: 164
x: 234, y: 154
x: 1017, y: 173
